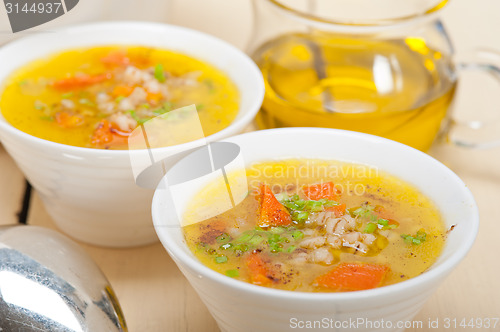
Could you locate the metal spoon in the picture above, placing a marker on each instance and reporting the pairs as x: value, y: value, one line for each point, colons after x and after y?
x: 49, y: 283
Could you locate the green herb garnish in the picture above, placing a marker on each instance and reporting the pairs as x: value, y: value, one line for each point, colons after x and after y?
x: 86, y: 102
x: 232, y: 273
x: 370, y: 227
x: 220, y: 259
x: 298, y: 235
x: 159, y: 73
x: 417, y: 239
x: 223, y: 237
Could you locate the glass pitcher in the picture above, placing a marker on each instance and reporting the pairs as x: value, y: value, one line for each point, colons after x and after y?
x: 381, y: 67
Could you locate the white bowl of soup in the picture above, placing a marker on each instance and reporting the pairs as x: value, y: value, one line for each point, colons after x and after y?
x: 71, y: 100
x: 336, y: 230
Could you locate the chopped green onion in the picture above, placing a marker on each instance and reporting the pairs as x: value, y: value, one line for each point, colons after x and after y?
x: 241, y: 247
x: 277, y: 230
x: 119, y: 98
x: 257, y: 239
x: 364, y: 211
x: 226, y: 246
x: 420, y: 237
x: 274, y: 238
x: 159, y: 73
x: 297, y: 235
x: 167, y: 107
x: 47, y: 118
x: 245, y: 237
x: 370, y: 228
x: 232, y: 273
x: 291, y: 249
x: 220, y: 259
x: 223, y: 237
x: 67, y: 95
x: 383, y: 222
x: 86, y: 102
x: 300, y: 216
x: 276, y: 247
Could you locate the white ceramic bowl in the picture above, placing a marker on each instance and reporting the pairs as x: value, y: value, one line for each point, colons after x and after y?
x: 239, y: 306
x: 91, y: 194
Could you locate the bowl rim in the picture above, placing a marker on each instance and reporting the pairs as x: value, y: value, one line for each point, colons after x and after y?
x: 437, y: 272
x: 235, y: 126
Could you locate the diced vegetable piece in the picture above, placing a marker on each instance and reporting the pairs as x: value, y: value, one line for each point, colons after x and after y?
x: 79, y: 82
x: 339, y: 210
x: 154, y: 97
x: 122, y: 91
x: 256, y: 239
x: 365, y: 211
x: 381, y: 212
x: 370, y: 228
x: 103, y: 133
x: 258, y: 270
x: 226, y: 246
x: 272, y: 213
x: 298, y: 235
x: 107, y: 134
x: 118, y: 58
x: 420, y: 237
x: 353, y: 277
x: 67, y: 120
x: 221, y: 259
x: 232, y: 273
x: 319, y: 191
x: 383, y: 222
x: 159, y: 73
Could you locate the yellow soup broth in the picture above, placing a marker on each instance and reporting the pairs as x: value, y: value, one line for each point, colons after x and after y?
x: 387, y: 224
x: 95, y: 97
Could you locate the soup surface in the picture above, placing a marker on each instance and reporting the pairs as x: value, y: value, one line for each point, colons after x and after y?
x: 317, y: 226
x: 95, y: 97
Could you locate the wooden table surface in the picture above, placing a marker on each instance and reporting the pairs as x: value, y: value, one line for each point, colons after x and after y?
x: 155, y: 296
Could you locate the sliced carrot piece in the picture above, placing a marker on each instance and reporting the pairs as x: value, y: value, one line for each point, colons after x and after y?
x: 353, y: 277
x: 154, y: 97
x: 272, y: 212
x: 339, y: 210
x: 102, y: 133
x: 319, y: 191
x: 106, y: 135
x: 66, y: 120
x: 117, y: 58
x: 258, y: 270
x: 381, y: 212
x: 79, y: 82
x: 122, y: 90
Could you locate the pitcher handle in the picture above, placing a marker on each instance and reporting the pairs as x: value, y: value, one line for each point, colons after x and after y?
x: 465, y: 133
